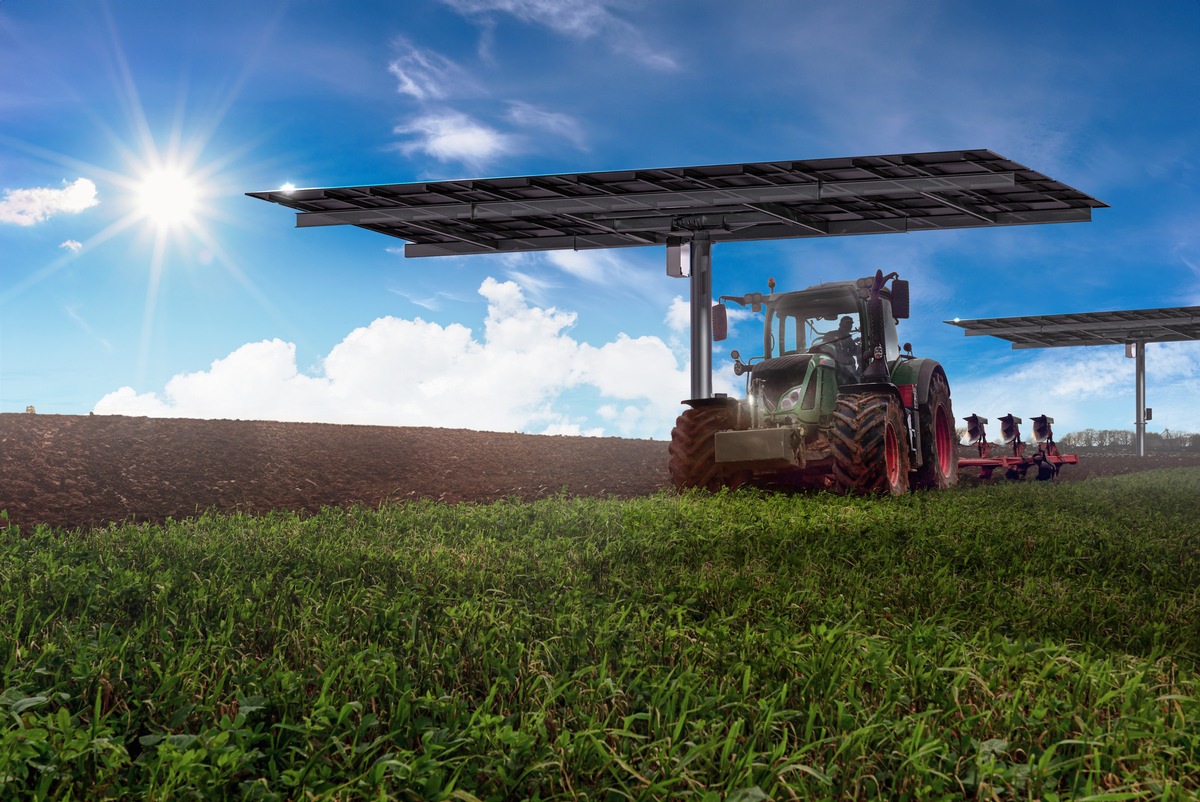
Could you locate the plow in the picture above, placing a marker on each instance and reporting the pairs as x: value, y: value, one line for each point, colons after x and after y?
x: 1044, y: 459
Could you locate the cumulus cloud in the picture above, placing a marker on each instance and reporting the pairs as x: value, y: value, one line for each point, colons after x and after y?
x: 72, y: 245
x: 24, y: 207
x: 452, y: 136
x: 511, y: 377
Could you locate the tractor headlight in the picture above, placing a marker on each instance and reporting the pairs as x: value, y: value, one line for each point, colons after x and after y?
x: 790, y: 399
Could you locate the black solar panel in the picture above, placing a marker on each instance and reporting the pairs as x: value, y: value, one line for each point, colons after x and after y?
x: 731, y: 202
x: 1175, y: 324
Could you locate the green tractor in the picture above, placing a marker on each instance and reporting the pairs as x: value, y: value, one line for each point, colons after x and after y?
x: 833, y: 403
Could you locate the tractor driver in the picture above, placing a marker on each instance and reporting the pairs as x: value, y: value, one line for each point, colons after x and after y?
x: 845, y: 349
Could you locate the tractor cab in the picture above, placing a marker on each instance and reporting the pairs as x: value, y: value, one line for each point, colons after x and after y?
x: 799, y: 323
x: 817, y: 341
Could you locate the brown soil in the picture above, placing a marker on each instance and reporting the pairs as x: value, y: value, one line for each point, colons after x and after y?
x: 71, y: 471
x: 66, y: 470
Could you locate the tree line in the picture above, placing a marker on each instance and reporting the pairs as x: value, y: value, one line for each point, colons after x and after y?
x: 1165, y: 440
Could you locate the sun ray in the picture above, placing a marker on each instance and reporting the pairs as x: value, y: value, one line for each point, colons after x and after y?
x: 105, y: 234
x: 152, y: 284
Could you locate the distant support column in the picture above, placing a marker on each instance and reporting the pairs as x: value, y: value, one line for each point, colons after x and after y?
x: 701, y: 278
x: 1139, y: 358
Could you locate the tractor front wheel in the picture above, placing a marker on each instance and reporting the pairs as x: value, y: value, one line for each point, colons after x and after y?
x: 940, y: 459
x: 693, y: 458
x: 870, y: 444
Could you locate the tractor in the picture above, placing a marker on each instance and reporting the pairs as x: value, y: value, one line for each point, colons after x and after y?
x: 833, y: 402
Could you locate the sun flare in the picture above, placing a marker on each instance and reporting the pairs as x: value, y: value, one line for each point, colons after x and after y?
x: 167, y: 197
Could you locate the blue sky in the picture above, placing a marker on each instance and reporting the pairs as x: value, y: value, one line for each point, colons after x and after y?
x: 113, y: 300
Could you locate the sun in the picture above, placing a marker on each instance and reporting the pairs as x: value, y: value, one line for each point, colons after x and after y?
x: 167, y: 197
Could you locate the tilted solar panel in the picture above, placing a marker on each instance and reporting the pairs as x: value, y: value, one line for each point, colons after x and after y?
x: 730, y: 202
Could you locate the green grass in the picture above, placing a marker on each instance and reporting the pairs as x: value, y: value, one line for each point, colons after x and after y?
x: 1025, y: 641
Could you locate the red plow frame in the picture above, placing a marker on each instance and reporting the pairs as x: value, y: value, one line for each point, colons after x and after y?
x: 1046, y: 460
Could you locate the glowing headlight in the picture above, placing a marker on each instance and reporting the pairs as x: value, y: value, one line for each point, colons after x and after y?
x: 790, y: 399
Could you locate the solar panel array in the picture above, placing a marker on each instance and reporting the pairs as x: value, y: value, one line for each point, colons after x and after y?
x: 1172, y: 324
x: 730, y: 202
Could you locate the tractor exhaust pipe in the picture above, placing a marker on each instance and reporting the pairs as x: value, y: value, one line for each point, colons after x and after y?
x: 876, y: 350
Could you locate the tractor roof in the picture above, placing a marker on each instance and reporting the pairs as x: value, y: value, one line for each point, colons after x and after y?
x: 834, y: 298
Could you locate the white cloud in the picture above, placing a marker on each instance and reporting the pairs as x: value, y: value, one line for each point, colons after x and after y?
x: 535, y: 286
x: 24, y: 207
x: 427, y: 75
x: 605, y: 267
x: 72, y: 245
x: 679, y: 315
x: 572, y: 430
x: 541, y: 123
x: 1086, y: 387
x: 416, y: 373
x: 578, y: 19
x: 451, y: 136
x: 1188, y: 252
x: 432, y: 302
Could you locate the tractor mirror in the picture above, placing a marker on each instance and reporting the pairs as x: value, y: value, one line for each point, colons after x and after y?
x: 720, y: 322
x: 899, y: 299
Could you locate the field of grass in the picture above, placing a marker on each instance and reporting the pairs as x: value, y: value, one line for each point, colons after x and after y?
x: 1025, y: 642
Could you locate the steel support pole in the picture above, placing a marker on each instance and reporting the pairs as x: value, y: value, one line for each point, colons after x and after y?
x: 701, y: 279
x: 1139, y: 358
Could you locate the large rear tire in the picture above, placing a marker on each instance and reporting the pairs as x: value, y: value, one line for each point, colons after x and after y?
x: 693, y: 458
x: 869, y: 444
x: 940, y: 467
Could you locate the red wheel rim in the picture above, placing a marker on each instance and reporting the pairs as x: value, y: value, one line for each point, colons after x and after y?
x: 891, y: 451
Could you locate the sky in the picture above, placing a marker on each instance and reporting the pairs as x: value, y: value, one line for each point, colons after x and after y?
x: 136, y: 278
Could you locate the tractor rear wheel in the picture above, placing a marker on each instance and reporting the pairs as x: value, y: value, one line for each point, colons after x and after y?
x: 869, y: 444
x: 940, y: 459
x: 693, y: 458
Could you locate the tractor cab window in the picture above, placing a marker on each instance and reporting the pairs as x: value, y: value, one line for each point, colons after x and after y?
x: 802, y: 330
x: 790, y: 337
x: 841, y: 328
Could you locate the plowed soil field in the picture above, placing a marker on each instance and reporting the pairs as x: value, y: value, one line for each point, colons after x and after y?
x: 73, y: 471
